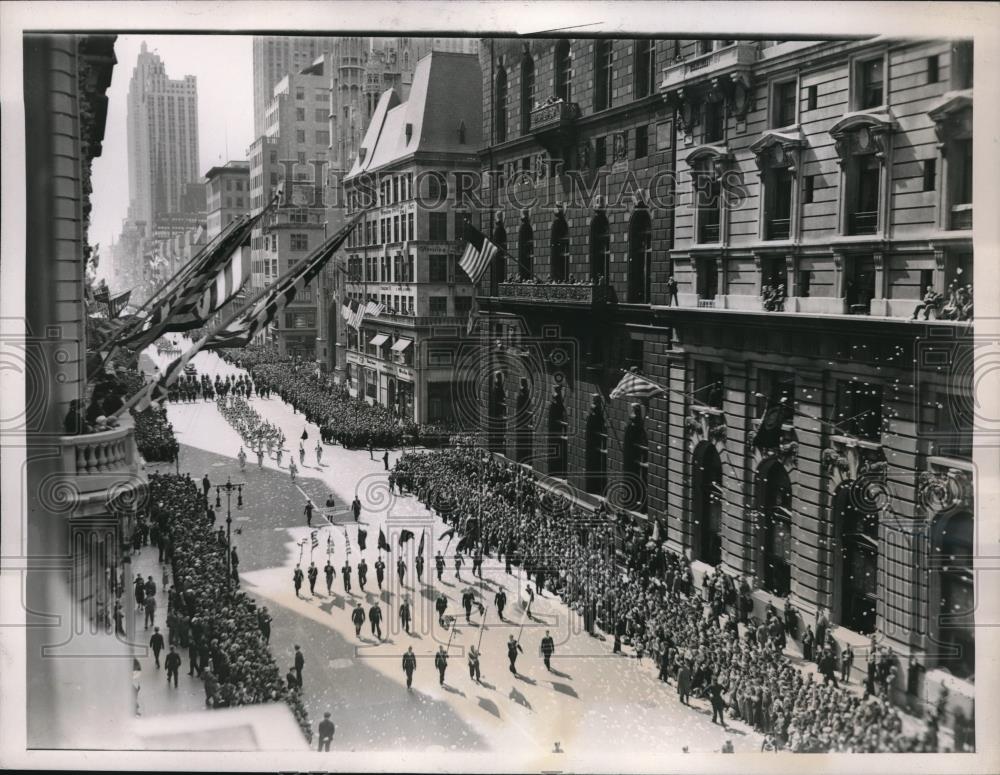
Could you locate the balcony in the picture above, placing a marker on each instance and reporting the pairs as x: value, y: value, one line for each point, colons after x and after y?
x: 94, y: 464
x: 714, y: 64
x: 961, y: 217
x: 553, y: 123
x: 863, y: 222
x: 778, y: 228
x: 563, y: 294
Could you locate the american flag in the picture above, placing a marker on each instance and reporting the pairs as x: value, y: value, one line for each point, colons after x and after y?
x: 478, y: 253
x: 357, y: 314
x: 374, y: 308
x: 633, y: 385
x: 315, y: 539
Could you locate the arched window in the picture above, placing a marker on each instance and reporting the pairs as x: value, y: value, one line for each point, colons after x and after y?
x: 706, y: 503
x: 500, y: 106
x: 564, y: 71
x: 560, y: 249
x: 525, y: 251
x: 952, y: 617
x: 499, y: 263
x: 640, y: 257
x: 527, y: 91
x: 603, y: 74
x: 597, y: 447
x: 600, y: 248
x: 773, y: 496
x: 859, y: 558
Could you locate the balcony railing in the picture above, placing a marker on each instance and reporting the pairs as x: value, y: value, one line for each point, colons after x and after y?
x: 864, y: 222
x: 961, y: 217
x: 552, y: 293
x: 554, y: 115
x: 708, y: 232
x: 778, y: 228
x: 93, y: 462
x: 742, y: 54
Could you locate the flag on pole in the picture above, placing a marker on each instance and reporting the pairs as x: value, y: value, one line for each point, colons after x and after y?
x: 117, y: 304
x: 478, y: 253
x: 357, y: 314
x: 404, y: 536
x: 315, y: 539
x: 420, y: 549
x: 633, y: 385
x: 345, y: 309
x: 374, y: 308
x: 382, y: 543
x: 329, y: 544
x: 362, y: 537
x: 449, y: 534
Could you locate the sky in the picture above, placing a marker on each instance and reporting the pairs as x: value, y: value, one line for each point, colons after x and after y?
x: 223, y: 65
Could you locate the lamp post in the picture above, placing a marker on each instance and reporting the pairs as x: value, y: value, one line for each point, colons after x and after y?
x: 229, y: 487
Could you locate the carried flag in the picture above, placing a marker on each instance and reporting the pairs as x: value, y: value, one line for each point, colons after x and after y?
x: 315, y: 539
x: 362, y: 537
x: 633, y: 385
x: 449, y: 534
x: 420, y: 549
x: 478, y: 255
x: 382, y: 543
x: 329, y: 544
x: 404, y: 536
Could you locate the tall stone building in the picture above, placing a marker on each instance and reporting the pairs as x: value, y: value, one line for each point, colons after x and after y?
x: 162, y: 125
x: 274, y: 57
x: 227, y: 193
x: 803, y: 197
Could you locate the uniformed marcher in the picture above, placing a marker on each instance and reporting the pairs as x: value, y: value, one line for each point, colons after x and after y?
x: 458, y: 566
x: 358, y: 617
x: 297, y: 579
x: 404, y: 615
x: 362, y: 574
x: 548, y: 649
x: 173, y: 665
x: 375, y: 617
x: 477, y: 563
x: 439, y: 564
x: 420, y: 567
x: 467, y: 597
x: 409, y: 666
x: 512, y: 648
x: 441, y: 663
x: 356, y: 508
x: 308, y: 511
x: 346, y: 573
x: 313, y: 574
x: 330, y: 572
x: 441, y: 604
x: 500, y: 600
x: 300, y: 662
x: 379, y: 572
x: 474, y: 663
x: 401, y: 571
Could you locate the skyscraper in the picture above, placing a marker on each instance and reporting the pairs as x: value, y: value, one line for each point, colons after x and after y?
x: 162, y: 139
x: 274, y: 57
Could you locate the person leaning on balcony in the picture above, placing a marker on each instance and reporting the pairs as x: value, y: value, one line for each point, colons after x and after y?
x: 672, y: 292
x: 932, y: 301
x: 74, y: 424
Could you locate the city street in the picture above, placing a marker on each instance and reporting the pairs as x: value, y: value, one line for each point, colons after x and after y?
x: 590, y: 697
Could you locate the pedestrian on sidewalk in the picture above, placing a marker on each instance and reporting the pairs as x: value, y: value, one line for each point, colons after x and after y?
x: 401, y: 571
x: 379, y: 572
x: 346, y: 572
x: 206, y: 485
x: 356, y: 508
x: 156, y: 644
x: 173, y: 665
x: 150, y: 605
x: 330, y: 572
x: 385, y: 460
x: 313, y: 574
x: 362, y: 574
x: 139, y: 589
x: 409, y: 666
x: 375, y: 617
x: 548, y: 648
x: 297, y: 577
x: 512, y: 648
x: 441, y: 663
x: 404, y: 615
x: 326, y: 730
x: 308, y: 511
x: 358, y: 617
x: 300, y: 662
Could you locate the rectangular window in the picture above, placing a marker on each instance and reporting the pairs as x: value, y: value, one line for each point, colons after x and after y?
x: 300, y: 93
x: 932, y: 69
x: 300, y: 114
x: 778, y: 204
x: 871, y: 81
x: 395, y: 228
x: 437, y: 226
x: 645, y: 67
x: 859, y: 409
x: 438, y: 269
x: 641, y: 142
x: 600, y: 151
x: 785, y: 97
x: 321, y: 114
x: 299, y: 241
x: 410, y: 232
x: 715, y: 122
x: 808, y: 186
x: 438, y: 305
x: 812, y: 97
x: 930, y: 174
x: 602, y: 75
x: 462, y: 305
x: 323, y: 137
x: 805, y: 278
x: 867, y: 173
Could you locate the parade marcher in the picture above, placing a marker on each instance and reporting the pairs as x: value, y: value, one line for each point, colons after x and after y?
x: 441, y: 663
x: 715, y: 691
x: 419, y: 563
x: 512, y: 648
x: 319, y: 452
x: 441, y: 605
x: 409, y: 666
x: 300, y: 662
x: 358, y: 617
x: 379, y: 572
x: 362, y: 574
x: 684, y: 683
x: 346, y: 573
x: 206, y: 485
x: 375, y: 617
x: 500, y: 600
x: 458, y: 566
x: 474, y: 664
x: 385, y: 460
x: 467, y: 597
x: 173, y: 665
x: 846, y: 663
x: 308, y: 511
x: 302, y: 454
x: 330, y: 572
x: 325, y: 732
x: 260, y: 457
x: 264, y: 618
x: 297, y: 577
x: 401, y: 571
x: 279, y: 454
x: 548, y: 648
x: 531, y: 599
x: 439, y: 565
x: 156, y: 644
x: 477, y: 563
x: 356, y: 508
x: 292, y: 469
x: 404, y: 615
x: 242, y: 457
x: 313, y: 573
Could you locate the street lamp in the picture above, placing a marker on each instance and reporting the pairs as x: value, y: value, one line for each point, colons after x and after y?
x: 229, y: 487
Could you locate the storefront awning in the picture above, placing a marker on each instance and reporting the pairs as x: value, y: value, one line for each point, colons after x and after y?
x: 379, y: 339
x: 401, y: 344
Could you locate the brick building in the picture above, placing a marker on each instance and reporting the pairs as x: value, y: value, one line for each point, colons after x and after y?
x: 803, y: 196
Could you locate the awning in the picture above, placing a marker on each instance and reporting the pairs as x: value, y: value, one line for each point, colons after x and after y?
x: 379, y: 339
x: 401, y: 344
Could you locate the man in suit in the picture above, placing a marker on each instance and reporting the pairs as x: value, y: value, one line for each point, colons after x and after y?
x: 548, y: 647
x: 330, y: 572
x: 264, y: 619
x: 326, y: 730
x: 467, y: 597
x: 313, y: 575
x: 500, y: 600
x: 346, y: 573
x: 379, y: 572
x: 150, y: 605
x: 409, y: 666
x: 404, y: 615
x: 441, y: 605
x: 300, y: 662
x: 356, y: 508
x: 512, y: 648
x: 385, y: 460
x: 156, y: 644
x: 441, y: 663
x: 439, y: 565
x: 684, y: 682
x: 715, y: 690
x: 358, y: 617
x: 375, y: 617
x: 297, y: 577
x: 173, y: 665
x: 206, y: 485
x: 401, y: 571
x: 362, y: 574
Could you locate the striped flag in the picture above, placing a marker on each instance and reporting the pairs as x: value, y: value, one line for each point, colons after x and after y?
x: 470, y: 324
x: 478, y: 253
x: 227, y: 283
x: 117, y: 304
x: 374, y: 308
x: 633, y: 385
x: 315, y: 539
x: 345, y: 309
x: 357, y: 314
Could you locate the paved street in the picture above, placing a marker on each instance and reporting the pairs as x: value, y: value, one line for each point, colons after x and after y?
x: 590, y: 697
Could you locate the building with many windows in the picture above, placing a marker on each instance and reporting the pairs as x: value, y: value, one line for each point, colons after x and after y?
x: 791, y: 208
x: 227, y: 191
x: 404, y: 252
